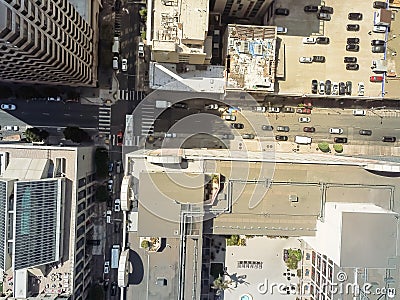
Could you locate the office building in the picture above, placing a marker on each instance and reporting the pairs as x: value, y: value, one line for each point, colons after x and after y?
x: 49, y: 42
x: 46, y: 205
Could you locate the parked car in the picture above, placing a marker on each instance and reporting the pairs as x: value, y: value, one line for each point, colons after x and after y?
x: 350, y: 60
x: 328, y: 87
x: 141, y: 49
x: 56, y: 99
x: 335, y: 88
x: 353, y: 27
x: 117, y: 205
x: 321, y: 90
x: 326, y: 9
x: 349, y: 86
x: 274, y: 109
x: 110, y: 183
x: 281, y: 138
x: 353, y: 48
x: 11, y: 128
x: 304, y: 120
x: 288, y: 109
x: 8, y: 107
x: 311, y: 8
x: 115, y: 63
x: 228, y: 136
x: 281, y: 30
x: 377, y: 42
x: 361, y: 89
x: 323, y: 16
x: 283, y: 128
x: 322, y: 40
x: 365, y: 132
x: 248, y: 136
x: 355, y: 16
x: 340, y: 140
x: 342, y: 88
x: 211, y: 106
x: 267, y: 127
x: 259, y: 109
x: 118, y: 167
x: 389, y: 139
x: 117, y: 227
x: 309, y: 129
x: 120, y: 138
x: 379, y: 28
x: 106, y: 267
x: 303, y: 110
x: 314, y: 86
x: 282, y: 11
x: 309, y: 40
x: 304, y: 59
x: 108, y: 216
x: 353, y: 40
x: 352, y: 67
x: 376, y: 78
x: 180, y: 105
x: 231, y: 118
x: 170, y: 135
x: 378, y: 49
x: 319, y: 58
x: 359, y: 112
x: 237, y: 125
x: 335, y: 130
x: 110, y: 167
x: 379, y: 4
x: 124, y: 65
x: 114, y: 288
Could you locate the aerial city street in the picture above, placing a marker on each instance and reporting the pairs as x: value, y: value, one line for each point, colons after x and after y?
x: 199, y: 149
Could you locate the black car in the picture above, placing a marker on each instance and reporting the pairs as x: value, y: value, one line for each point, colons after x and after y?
x: 180, y: 105
x: 310, y: 8
x: 365, y: 132
x: 352, y: 67
x: 377, y: 42
x: 353, y: 40
x: 355, y: 16
x: 350, y: 60
x: 342, y: 88
x: 237, y: 125
x: 117, y: 227
x: 349, y: 86
x: 105, y: 284
x: 314, y: 86
x: 353, y: 27
x: 328, y: 87
x: 319, y: 58
x: 288, y: 109
x: 341, y: 140
x: 267, y: 127
x: 282, y: 11
x: 309, y: 129
x: 380, y: 4
x: 281, y: 137
x: 117, y: 6
x: 389, y: 139
x: 353, y: 48
x: 322, y: 40
x: 378, y: 49
x: 114, y: 287
x: 326, y: 9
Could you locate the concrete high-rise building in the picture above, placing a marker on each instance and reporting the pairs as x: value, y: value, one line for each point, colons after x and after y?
x: 49, y: 42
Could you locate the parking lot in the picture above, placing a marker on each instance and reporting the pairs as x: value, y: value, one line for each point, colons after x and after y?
x: 298, y: 76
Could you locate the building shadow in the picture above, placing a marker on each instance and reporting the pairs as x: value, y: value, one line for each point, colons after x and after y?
x: 137, y: 274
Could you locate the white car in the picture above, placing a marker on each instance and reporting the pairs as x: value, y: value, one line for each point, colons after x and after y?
x: 281, y: 30
x: 229, y: 117
x: 170, y: 135
x: 110, y: 185
x: 141, y: 49
x: 108, y: 216
x: 106, y: 267
x: 309, y: 40
x: 117, y: 205
x: 273, y: 109
x: 361, y: 89
x: 304, y: 59
x: 124, y: 65
x: 359, y: 112
x: 259, y: 108
x: 8, y: 107
x: 212, y: 106
x: 335, y: 130
x: 304, y: 119
x: 11, y: 128
x: 335, y: 88
x: 379, y: 29
x: 57, y: 99
x: 321, y: 87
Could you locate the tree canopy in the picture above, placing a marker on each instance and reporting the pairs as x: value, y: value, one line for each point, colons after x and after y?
x: 75, y: 134
x: 34, y: 134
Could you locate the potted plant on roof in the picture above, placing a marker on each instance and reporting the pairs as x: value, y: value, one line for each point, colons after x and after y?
x: 145, y: 244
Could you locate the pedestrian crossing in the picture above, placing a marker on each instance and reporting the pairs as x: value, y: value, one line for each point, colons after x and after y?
x: 104, y: 119
x: 131, y: 95
x: 148, y: 117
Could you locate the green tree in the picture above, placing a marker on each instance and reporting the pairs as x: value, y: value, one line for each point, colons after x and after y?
x: 75, y: 134
x: 324, y: 147
x: 338, y: 148
x: 101, y: 193
x: 34, y: 134
x: 101, y: 161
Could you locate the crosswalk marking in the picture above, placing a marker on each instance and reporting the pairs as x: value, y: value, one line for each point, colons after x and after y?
x: 104, y: 119
x: 147, y: 119
x: 131, y: 95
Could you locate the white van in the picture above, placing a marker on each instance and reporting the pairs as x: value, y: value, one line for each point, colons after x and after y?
x: 115, y: 63
x: 359, y: 112
x: 304, y: 140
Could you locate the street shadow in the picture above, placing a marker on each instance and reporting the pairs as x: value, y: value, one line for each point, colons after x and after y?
x: 137, y: 274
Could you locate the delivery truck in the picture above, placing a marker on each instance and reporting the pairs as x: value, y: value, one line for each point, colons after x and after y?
x: 304, y: 140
